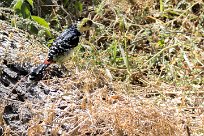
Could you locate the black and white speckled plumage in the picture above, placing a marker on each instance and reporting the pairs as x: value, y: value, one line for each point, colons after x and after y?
x: 64, y: 43
x: 61, y: 48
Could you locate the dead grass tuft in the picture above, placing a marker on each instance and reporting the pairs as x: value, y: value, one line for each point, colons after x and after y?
x: 97, y: 107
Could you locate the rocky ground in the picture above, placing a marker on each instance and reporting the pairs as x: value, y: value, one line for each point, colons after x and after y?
x: 19, y: 53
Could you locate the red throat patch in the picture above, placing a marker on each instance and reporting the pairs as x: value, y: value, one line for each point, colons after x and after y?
x: 47, y: 62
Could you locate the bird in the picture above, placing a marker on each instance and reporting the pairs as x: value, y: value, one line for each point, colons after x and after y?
x: 62, y: 47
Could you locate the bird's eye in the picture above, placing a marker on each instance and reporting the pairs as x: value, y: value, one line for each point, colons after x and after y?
x: 84, y: 25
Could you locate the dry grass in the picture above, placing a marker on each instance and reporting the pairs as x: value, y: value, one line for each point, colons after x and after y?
x: 139, y: 73
x: 95, y: 106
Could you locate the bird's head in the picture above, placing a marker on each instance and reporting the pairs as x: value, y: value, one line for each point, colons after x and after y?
x: 84, y: 25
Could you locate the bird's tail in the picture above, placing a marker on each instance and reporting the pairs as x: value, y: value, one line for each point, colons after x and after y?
x: 37, y: 73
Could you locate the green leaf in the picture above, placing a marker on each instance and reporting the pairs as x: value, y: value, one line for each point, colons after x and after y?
x: 49, y: 43
x: 13, y: 22
x: 161, y: 43
x: 17, y: 4
x: 79, y: 6
x: 25, y: 10
x: 113, y: 49
x: 48, y: 33
x: 41, y: 21
x: 161, y: 5
x: 30, y: 2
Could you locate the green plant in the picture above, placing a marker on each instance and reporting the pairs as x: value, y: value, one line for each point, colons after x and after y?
x: 23, y: 8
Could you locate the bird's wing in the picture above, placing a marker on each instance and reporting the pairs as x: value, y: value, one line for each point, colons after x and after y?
x: 64, y: 43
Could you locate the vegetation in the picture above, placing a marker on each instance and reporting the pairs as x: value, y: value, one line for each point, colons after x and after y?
x: 140, y: 72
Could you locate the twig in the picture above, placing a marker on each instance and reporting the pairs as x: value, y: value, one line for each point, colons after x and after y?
x: 160, y: 52
x: 70, y: 132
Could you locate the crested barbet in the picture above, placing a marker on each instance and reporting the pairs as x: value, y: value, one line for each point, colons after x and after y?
x: 62, y: 47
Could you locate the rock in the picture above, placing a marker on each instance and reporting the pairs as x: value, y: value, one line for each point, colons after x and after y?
x: 17, y: 57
